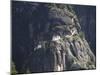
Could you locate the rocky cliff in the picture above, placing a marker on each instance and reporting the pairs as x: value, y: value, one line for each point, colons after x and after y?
x: 47, y: 38
x: 87, y: 18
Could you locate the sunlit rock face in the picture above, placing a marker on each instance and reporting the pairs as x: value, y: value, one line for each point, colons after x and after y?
x: 48, y: 38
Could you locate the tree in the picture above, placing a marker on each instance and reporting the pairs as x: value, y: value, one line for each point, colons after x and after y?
x: 13, y: 69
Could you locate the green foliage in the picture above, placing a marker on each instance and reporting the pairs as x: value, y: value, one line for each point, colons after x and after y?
x: 62, y: 6
x: 75, y: 37
x: 13, y: 69
x: 81, y: 34
x: 70, y: 8
x: 51, y: 5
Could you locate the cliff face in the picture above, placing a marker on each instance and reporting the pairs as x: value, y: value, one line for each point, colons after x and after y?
x: 47, y: 38
x: 87, y: 18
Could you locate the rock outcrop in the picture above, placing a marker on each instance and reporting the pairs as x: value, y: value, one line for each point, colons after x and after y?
x: 88, y: 24
x: 52, y: 39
